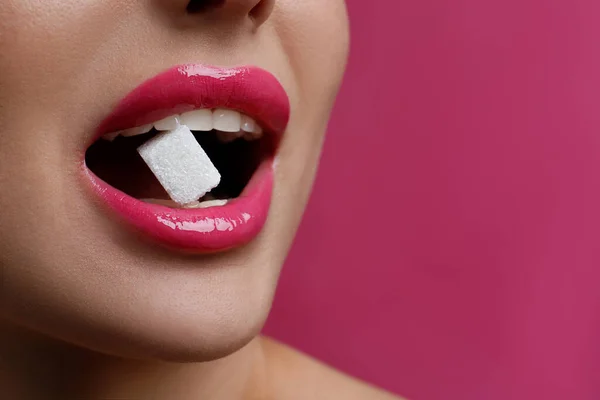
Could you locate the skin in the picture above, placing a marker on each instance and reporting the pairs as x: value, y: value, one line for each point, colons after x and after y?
x: 88, y: 308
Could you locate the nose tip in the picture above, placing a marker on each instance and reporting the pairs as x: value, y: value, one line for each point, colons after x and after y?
x: 257, y: 10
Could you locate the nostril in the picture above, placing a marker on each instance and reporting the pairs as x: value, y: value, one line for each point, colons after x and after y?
x: 199, y: 6
x: 260, y: 13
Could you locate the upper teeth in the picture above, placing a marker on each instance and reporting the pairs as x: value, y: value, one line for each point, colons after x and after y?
x: 231, y: 125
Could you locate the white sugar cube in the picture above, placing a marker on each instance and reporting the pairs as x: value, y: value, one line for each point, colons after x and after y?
x: 180, y: 165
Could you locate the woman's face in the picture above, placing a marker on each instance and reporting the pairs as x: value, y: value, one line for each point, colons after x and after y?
x: 74, y: 265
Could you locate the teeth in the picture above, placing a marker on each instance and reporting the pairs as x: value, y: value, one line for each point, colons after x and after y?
x: 230, y: 125
x: 207, y: 204
x: 248, y: 124
x: 227, y: 120
x: 255, y: 134
x: 213, y: 203
x: 194, y: 205
x: 198, y: 120
x: 167, y: 124
x: 137, y: 131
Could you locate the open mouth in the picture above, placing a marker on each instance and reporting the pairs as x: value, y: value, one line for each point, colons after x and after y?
x: 186, y: 159
x: 234, y: 142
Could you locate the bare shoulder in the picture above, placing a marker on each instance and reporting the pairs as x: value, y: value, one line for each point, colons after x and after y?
x: 298, y: 376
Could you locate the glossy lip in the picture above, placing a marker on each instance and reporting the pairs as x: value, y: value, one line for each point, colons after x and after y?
x: 249, y: 90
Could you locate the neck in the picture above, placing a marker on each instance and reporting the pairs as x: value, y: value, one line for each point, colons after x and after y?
x: 35, y: 368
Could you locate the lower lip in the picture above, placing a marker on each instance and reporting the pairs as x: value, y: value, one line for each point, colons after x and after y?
x: 198, y: 230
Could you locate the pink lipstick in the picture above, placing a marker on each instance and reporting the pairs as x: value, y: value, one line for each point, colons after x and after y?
x: 251, y: 91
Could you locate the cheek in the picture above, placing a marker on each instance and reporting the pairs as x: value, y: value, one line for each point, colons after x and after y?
x: 43, y: 35
x: 317, y: 66
x: 51, y: 43
x: 318, y: 63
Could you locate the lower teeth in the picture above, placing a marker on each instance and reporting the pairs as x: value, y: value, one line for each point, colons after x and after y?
x: 193, y: 205
x: 206, y: 204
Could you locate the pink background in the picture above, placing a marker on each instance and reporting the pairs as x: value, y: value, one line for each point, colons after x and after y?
x: 451, y: 249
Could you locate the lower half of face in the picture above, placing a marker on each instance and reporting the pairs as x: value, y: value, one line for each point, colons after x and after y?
x: 97, y: 245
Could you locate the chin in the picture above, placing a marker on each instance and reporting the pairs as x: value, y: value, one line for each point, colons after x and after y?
x: 164, y: 308
x: 177, y: 339
x: 210, y: 341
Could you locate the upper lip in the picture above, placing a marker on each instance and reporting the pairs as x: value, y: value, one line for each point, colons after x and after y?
x: 249, y: 90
